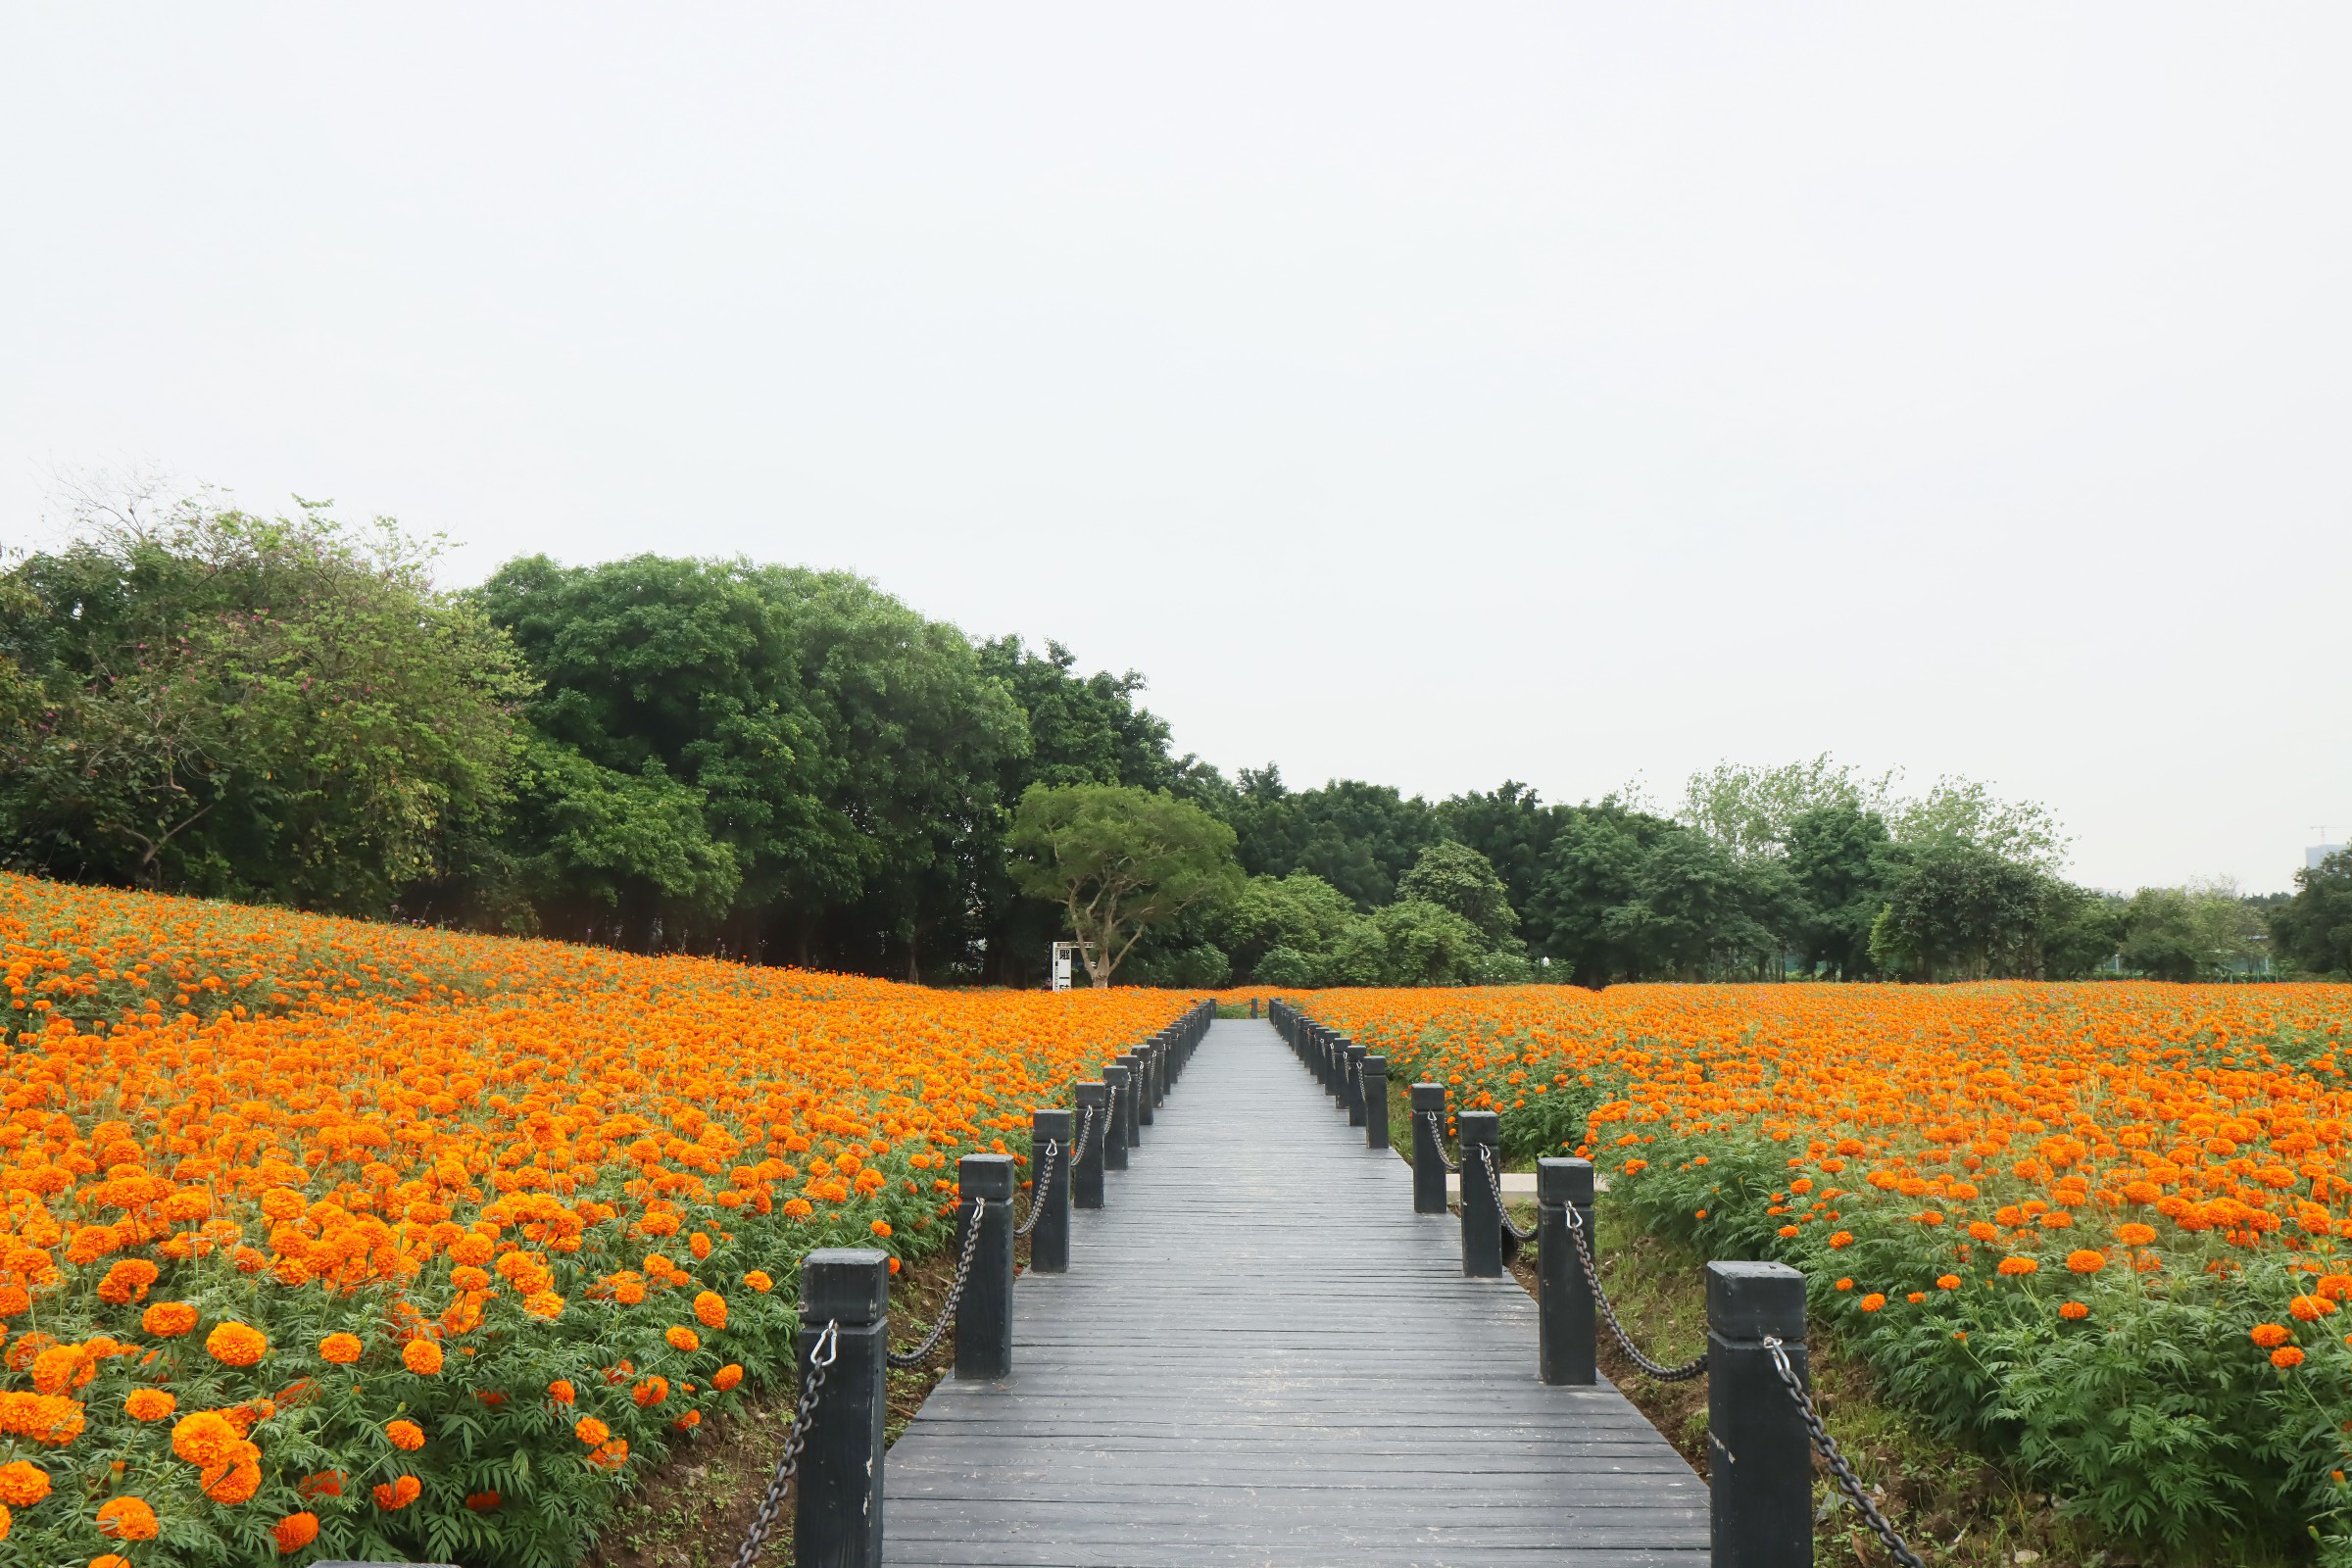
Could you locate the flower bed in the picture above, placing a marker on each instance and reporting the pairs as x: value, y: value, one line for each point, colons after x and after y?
x: 2101, y: 1228
x: 331, y: 1240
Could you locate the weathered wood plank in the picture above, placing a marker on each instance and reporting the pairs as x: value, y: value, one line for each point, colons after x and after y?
x: 1262, y: 1355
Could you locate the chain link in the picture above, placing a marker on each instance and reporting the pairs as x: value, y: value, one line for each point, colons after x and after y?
x: 788, y: 1463
x: 1847, y: 1482
x: 1037, y: 1190
x: 947, y: 1311
x: 1664, y: 1374
x: 1485, y: 1158
x: 1437, y: 1134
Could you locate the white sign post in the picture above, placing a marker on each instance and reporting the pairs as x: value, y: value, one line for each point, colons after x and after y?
x: 1064, y: 953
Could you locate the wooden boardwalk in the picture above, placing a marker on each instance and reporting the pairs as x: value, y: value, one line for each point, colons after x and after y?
x: 1262, y: 1355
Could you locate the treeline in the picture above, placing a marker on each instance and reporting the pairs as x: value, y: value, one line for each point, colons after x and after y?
x: 786, y: 766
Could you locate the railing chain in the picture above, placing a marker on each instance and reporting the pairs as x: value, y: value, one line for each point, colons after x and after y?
x: 1485, y: 1158
x: 947, y: 1311
x: 1847, y: 1482
x: 1436, y: 1126
x: 1036, y: 1191
x: 1664, y: 1374
x: 788, y: 1463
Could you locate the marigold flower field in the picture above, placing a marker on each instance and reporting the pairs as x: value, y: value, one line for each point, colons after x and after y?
x: 2102, y: 1228
x: 333, y: 1240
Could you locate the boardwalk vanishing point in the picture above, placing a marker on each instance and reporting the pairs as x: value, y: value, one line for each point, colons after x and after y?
x: 1262, y: 1355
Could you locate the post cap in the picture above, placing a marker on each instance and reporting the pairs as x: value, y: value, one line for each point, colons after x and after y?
x: 988, y: 1176
x: 1377, y: 1064
x: 1560, y: 1182
x: 1115, y: 1075
x: 1052, y: 1122
x: 1748, y: 1300
x: 848, y: 1283
x: 1479, y: 1126
x: 1354, y: 1050
x: 1428, y: 1096
x: 1092, y: 1092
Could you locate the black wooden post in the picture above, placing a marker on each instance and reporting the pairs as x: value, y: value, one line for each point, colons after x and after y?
x: 1357, y: 1107
x: 1563, y: 1295
x: 1147, y: 1074
x: 1428, y: 1149
x: 1163, y: 1052
x: 983, y: 1317
x: 1376, y: 1101
x: 1254, y: 1009
x: 1049, y: 1239
x: 1760, y: 1483
x: 1114, y: 1128
x: 1481, y: 1219
x: 838, y: 1521
x: 1136, y: 1091
x: 1086, y: 1176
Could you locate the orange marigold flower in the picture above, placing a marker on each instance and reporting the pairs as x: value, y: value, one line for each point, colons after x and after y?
x: 1916, y: 1297
x: 760, y: 1282
x: 1841, y: 1238
x: 2286, y: 1355
x: 2085, y: 1260
x: 2268, y: 1334
x: 7, y: 1520
x: 711, y: 1309
x: 881, y: 1228
x: 688, y: 1421
x: 405, y: 1436
x: 205, y: 1437
x: 589, y: 1430
x: 699, y: 1244
x: 1873, y: 1301
x: 1948, y: 1282
x: 2018, y: 1265
x: 797, y: 1209
x: 169, y: 1319
x: 652, y: 1391
x: 127, y: 1519
x: 683, y: 1337
x: 1846, y: 1284
x: 483, y: 1501
x: 421, y: 1356
x: 341, y: 1348
x: 396, y: 1494
x: 561, y: 1392
x: 2135, y: 1235
x: 235, y: 1345
x: 325, y: 1484
x: 1981, y: 1232
x: 23, y: 1483
x: 2073, y: 1310
x: 295, y: 1532
x: 150, y: 1404
x: 1786, y: 1232
x: 726, y: 1377
x: 2309, y: 1308
x: 236, y: 1480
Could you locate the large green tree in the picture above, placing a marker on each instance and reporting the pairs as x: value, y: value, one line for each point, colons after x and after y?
x: 1454, y: 876
x: 1119, y: 862
x: 2313, y: 930
x: 1960, y: 913
x: 277, y: 708
x: 845, y: 752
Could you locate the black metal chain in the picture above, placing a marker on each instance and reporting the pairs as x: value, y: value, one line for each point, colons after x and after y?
x: 1664, y: 1374
x: 947, y: 1311
x: 1847, y: 1482
x: 1437, y: 1134
x: 1485, y: 1158
x: 788, y: 1463
x: 1036, y: 1191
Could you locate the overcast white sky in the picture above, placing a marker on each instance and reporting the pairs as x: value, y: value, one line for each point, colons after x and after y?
x: 1431, y: 395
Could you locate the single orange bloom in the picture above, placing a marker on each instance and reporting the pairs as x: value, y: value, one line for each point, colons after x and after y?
x: 169, y: 1319
x: 2268, y: 1334
x: 759, y: 1281
x: 150, y: 1404
x: 1873, y: 1301
x: 394, y: 1496
x: 2286, y: 1355
x: 235, y: 1345
x: 22, y: 1483
x: 340, y: 1349
x: 561, y: 1392
x: 405, y: 1436
x: 127, y: 1519
x: 589, y: 1430
x: 711, y: 1309
x: 421, y: 1356
x: 2085, y: 1260
x: 681, y: 1338
x: 295, y: 1530
x: 2074, y: 1311
x: 726, y: 1377
x: 2019, y: 1265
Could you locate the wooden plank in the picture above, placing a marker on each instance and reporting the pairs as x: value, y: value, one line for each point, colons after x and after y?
x: 1262, y: 1355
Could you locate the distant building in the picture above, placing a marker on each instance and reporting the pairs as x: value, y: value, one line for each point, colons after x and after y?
x: 2317, y: 853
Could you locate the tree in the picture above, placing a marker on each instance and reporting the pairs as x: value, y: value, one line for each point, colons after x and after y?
x: 1299, y: 915
x: 1409, y: 943
x: 1454, y: 876
x: 1119, y: 862
x: 1593, y: 867
x: 280, y: 709
x: 1958, y: 912
x: 1753, y: 810
x: 2199, y: 932
x: 1843, y: 864
x: 1695, y: 904
x: 1359, y: 837
x: 1512, y: 828
x: 2313, y: 928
